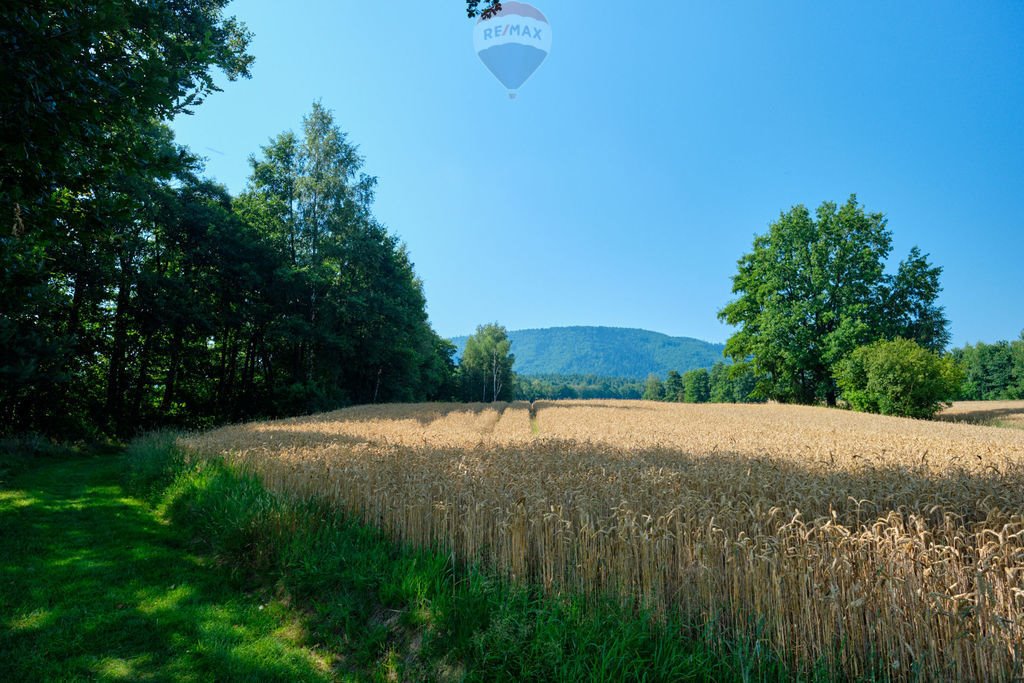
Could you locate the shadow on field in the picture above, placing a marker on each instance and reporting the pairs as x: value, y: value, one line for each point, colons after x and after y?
x: 984, y: 415
x: 424, y: 413
x: 658, y: 480
x: 594, y: 403
x: 445, y: 410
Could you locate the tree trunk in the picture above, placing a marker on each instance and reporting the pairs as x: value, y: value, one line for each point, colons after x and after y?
x: 172, y: 372
x: 227, y: 368
x: 115, y: 371
x: 145, y: 360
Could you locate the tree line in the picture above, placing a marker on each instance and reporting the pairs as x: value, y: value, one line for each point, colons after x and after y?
x: 976, y: 372
x: 723, y: 383
x: 890, y: 375
x: 555, y: 386
x: 992, y: 372
x: 134, y: 292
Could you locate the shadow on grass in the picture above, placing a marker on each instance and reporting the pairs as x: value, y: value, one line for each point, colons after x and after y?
x: 94, y: 585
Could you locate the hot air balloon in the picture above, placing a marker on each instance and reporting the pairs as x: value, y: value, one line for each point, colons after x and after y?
x: 513, y: 43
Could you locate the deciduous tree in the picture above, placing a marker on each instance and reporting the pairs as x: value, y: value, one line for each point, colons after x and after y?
x: 814, y: 288
x: 485, y: 368
x: 696, y: 386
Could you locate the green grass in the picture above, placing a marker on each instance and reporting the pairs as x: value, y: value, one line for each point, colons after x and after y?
x: 199, y: 573
x: 19, y: 454
x: 95, y: 585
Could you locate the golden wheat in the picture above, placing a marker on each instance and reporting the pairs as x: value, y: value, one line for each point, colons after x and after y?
x: 1001, y: 413
x: 854, y: 540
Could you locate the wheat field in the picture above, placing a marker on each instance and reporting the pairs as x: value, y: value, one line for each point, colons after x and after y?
x: 992, y: 413
x: 868, y: 545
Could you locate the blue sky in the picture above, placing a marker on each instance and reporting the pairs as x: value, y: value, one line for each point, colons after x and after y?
x: 634, y: 168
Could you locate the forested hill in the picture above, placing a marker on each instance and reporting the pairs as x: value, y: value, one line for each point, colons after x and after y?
x: 606, y: 351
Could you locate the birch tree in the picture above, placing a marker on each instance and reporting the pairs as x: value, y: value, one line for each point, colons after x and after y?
x: 485, y: 369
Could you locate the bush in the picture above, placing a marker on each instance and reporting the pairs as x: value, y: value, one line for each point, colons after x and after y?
x: 898, y: 377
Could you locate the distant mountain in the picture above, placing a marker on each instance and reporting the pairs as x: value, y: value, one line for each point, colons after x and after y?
x: 606, y: 351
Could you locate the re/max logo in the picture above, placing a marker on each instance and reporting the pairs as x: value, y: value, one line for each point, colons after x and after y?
x: 512, y: 30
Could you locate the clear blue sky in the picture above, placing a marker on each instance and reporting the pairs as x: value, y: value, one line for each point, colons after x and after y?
x: 639, y: 161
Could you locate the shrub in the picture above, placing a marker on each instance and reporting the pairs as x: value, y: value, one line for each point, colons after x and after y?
x: 898, y: 377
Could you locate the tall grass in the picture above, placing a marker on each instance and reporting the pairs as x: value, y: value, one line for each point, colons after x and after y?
x: 397, y: 612
x: 870, y: 547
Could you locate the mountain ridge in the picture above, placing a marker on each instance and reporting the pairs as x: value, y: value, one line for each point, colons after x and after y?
x: 605, y: 351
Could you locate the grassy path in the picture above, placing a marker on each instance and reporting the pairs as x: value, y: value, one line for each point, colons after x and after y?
x: 95, y: 585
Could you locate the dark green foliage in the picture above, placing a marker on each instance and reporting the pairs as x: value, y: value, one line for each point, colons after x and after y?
x: 485, y: 9
x: 911, y: 311
x: 724, y: 383
x: 898, y: 377
x: 696, y: 386
x: 674, y: 388
x: 814, y: 288
x: 440, y: 378
x: 606, y: 352
x: 744, y: 380
x: 720, y: 387
x: 75, y: 99
x: 534, y: 387
x: 992, y: 371
x: 485, y: 368
x: 80, y: 156
x: 133, y: 293
x: 348, y: 320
